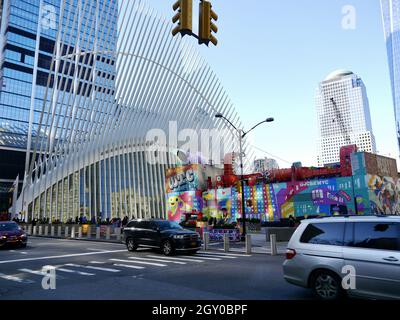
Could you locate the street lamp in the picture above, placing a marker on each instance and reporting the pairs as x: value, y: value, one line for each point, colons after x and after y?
x: 242, y: 134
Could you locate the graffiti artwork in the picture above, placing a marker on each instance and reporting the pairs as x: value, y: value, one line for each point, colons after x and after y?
x: 384, y: 194
x: 178, y: 204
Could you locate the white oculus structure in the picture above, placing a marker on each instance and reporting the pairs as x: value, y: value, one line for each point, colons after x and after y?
x: 90, y: 152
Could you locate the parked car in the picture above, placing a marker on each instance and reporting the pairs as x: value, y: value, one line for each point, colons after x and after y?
x: 12, y: 234
x: 322, y: 252
x: 169, y: 236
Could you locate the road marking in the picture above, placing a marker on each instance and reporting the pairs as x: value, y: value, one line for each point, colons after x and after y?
x: 94, y: 249
x: 215, y: 256
x: 24, y: 252
x: 141, y: 262
x: 174, y: 258
x: 97, y: 262
x: 225, y: 254
x: 205, y: 258
x: 75, y: 271
x: 157, y: 260
x: 39, y: 273
x: 62, y: 256
x: 15, y: 279
x: 128, y: 266
x: 91, y: 267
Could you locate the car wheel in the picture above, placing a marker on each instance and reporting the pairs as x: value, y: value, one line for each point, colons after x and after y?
x: 131, y: 244
x: 167, y: 248
x: 23, y: 245
x: 326, y: 285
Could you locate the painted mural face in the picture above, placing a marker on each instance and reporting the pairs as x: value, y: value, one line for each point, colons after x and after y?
x: 384, y: 194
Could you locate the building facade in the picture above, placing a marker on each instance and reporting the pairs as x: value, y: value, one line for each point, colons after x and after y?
x: 391, y: 24
x: 343, y: 116
x: 29, y: 37
x: 103, y: 151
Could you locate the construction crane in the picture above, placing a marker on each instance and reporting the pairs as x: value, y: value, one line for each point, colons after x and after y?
x: 339, y: 119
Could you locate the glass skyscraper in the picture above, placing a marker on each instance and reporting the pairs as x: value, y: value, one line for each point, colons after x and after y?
x: 391, y: 23
x: 29, y: 33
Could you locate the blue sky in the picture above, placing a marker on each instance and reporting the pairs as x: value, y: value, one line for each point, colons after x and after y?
x: 272, y: 55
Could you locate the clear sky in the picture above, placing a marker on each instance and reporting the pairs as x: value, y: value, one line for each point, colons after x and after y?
x: 272, y: 55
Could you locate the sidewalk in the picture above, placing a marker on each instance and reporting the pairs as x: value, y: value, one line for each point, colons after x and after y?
x: 259, y: 244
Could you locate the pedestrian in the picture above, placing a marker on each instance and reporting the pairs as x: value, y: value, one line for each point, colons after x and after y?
x: 125, y: 221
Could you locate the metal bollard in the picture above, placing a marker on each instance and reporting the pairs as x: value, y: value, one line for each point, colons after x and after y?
x: 80, y: 232
x: 34, y: 231
x: 66, y: 232
x: 108, y: 232
x: 248, y: 243
x: 52, y: 231
x: 98, y: 233
x: 206, y: 240
x: 46, y: 231
x: 59, y: 230
x: 73, y: 232
x: 89, y: 232
x: 226, y: 242
x: 274, y: 250
x: 29, y: 230
x: 118, y: 233
x: 40, y: 232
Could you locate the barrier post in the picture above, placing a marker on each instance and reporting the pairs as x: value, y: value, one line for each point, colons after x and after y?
x: 248, y: 243
x: 274, y: 250
x: 226, y: 242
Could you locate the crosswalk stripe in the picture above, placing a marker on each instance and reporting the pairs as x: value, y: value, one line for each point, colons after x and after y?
x: 140, y: 262
x: 157, y: 260
x: 178, y: 259
x: 93, y: 268
x: 97, y: 262
x: 215, y: 256
x: 39, y: 273
x: 75, y: 271
x: 128, y: 266
x: 233, y: 254
x: 205, y: 258
x: 15, y: 278
x: 224, y: 254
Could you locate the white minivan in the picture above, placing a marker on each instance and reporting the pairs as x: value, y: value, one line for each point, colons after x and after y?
x: 339, y: 256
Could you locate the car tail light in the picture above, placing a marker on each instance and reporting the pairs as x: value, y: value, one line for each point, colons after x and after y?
x: 290, y: 254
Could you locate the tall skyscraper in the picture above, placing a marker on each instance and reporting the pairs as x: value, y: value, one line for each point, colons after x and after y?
x: 343, y: 116
x: 28, y: 39
x: 391, y: 24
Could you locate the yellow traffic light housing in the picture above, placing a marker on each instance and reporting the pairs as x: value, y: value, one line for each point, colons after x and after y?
x: 206, y: 25
x: 184, y: 17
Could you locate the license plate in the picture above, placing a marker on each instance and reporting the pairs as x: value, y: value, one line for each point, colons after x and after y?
x: 194, y: 244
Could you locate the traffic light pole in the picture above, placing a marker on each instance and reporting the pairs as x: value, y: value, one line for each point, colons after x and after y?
x: 243, y: 236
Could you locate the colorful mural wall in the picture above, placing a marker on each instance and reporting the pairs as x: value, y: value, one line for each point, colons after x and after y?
x: 374, y: 188
x: 185, y: 202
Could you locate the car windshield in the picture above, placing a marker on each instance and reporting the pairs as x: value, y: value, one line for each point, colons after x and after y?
x: 168, y: 225
x: 8, y: 227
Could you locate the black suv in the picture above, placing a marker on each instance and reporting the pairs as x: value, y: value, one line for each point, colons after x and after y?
x: 166, y: 235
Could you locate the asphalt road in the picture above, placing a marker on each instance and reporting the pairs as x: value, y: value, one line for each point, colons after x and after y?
x: 98, y: 270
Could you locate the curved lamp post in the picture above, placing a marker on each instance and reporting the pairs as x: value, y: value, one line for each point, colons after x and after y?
x: 242, y: 134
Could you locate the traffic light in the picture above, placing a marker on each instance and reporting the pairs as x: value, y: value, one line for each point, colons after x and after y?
x: 206, y: 25
x: 184, y: 17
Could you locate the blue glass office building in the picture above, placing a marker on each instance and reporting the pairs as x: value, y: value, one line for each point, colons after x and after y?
x: 29, y: 29
x: 391, y: 22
